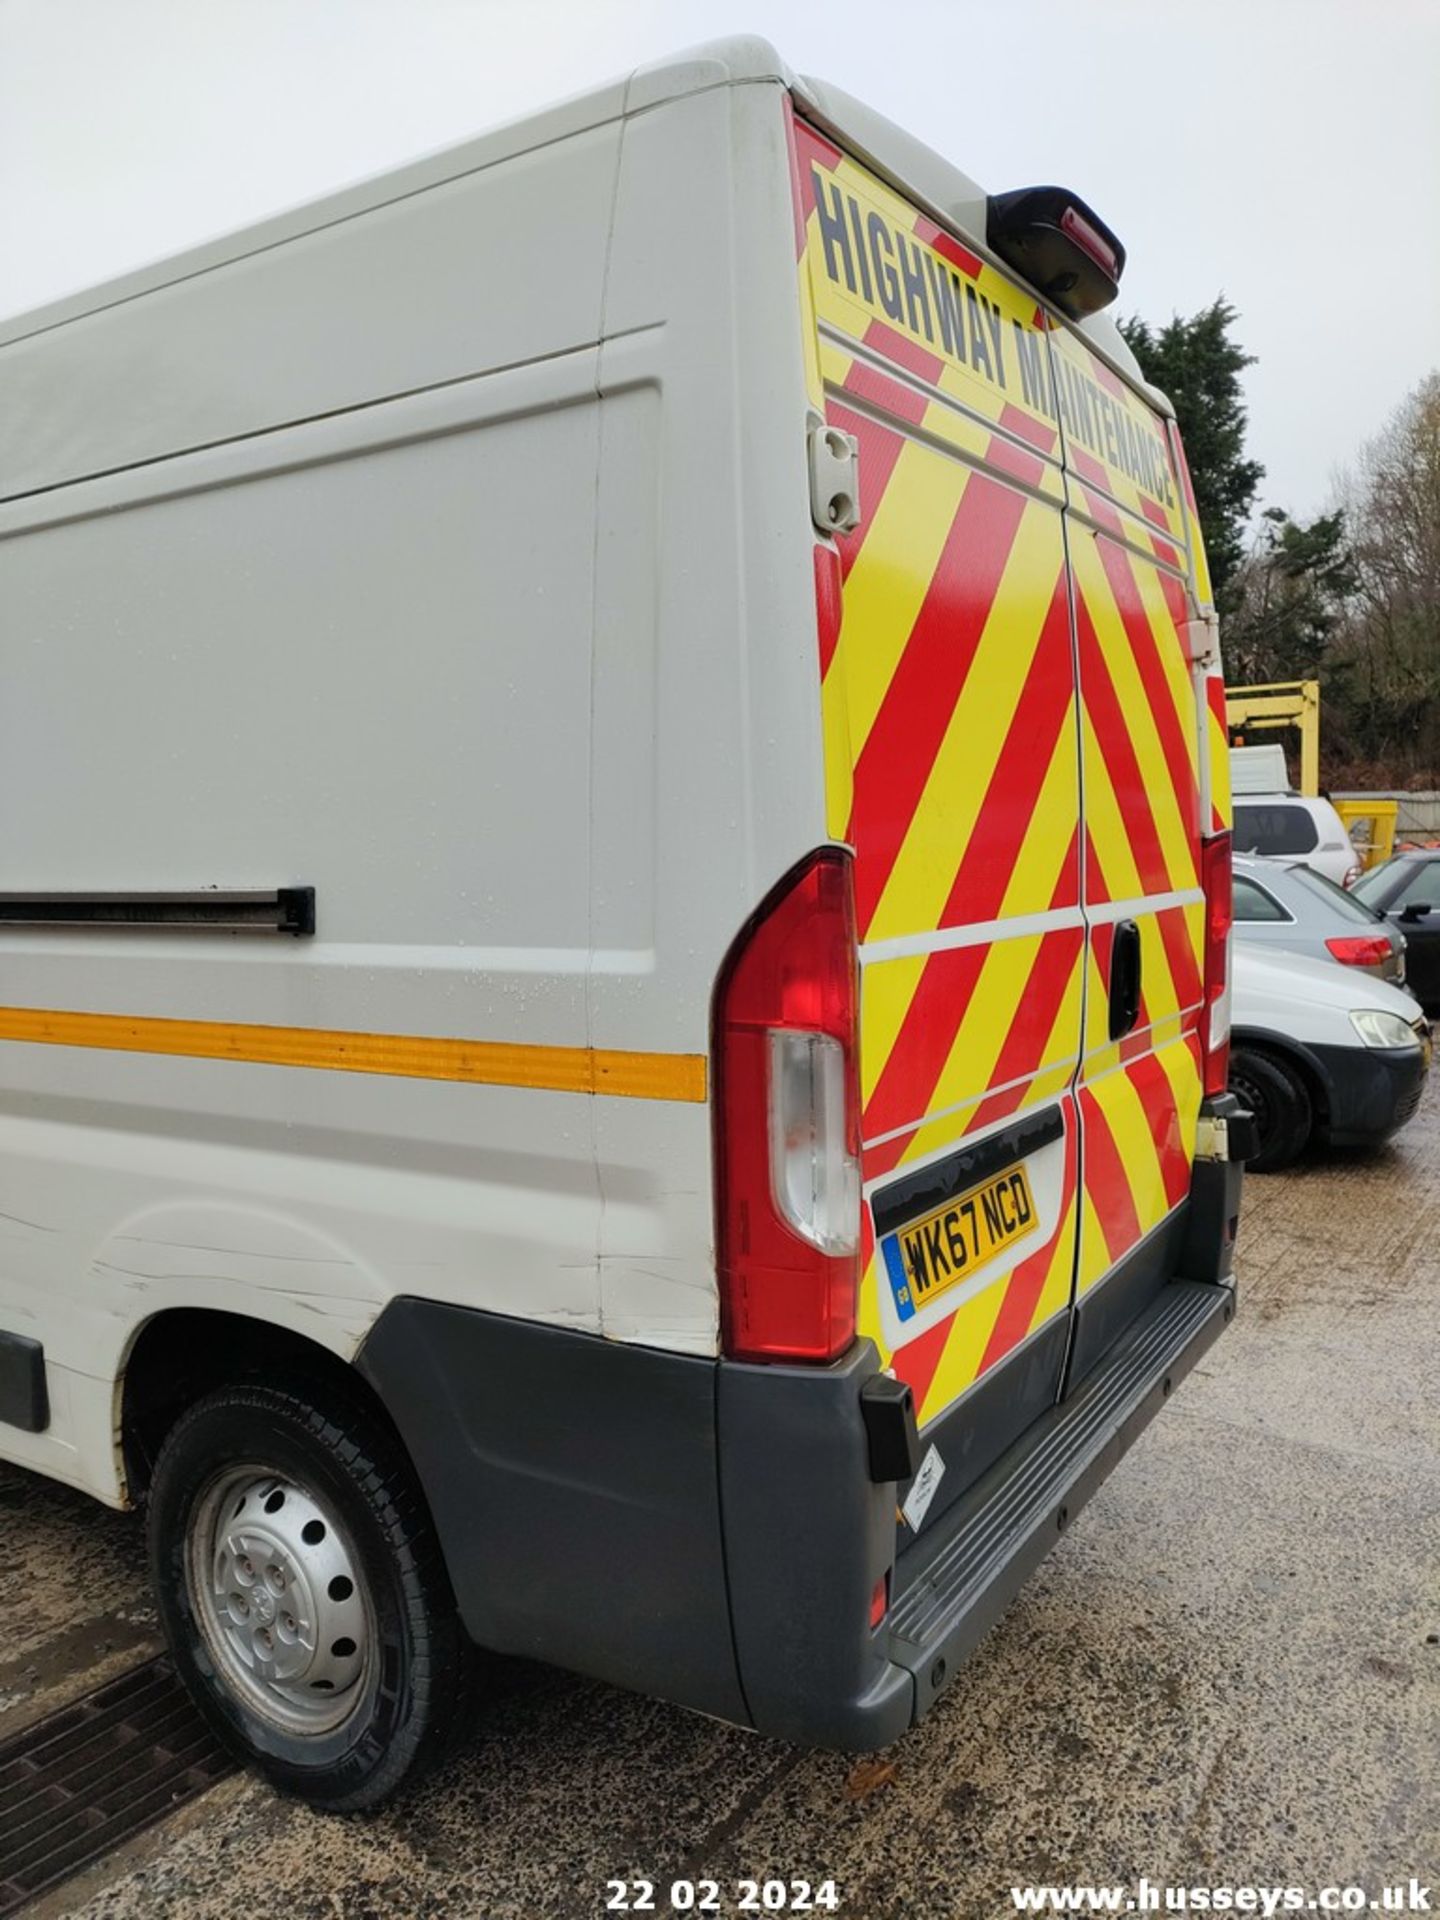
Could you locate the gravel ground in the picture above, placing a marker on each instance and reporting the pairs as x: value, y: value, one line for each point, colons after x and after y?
x: 1228, y: 1672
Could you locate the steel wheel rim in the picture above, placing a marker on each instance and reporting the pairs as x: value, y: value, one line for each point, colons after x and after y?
x: 283, y: 1607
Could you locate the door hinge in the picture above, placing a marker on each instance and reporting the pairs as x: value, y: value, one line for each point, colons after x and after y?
x: 834, y: 477
x: 1202, y: 640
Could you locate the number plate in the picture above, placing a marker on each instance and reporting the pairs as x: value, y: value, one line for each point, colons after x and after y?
x: 957, y: 1240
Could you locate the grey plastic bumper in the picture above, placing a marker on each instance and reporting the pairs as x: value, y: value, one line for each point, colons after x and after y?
x: 807, y: 1537
x: 709, y: 1532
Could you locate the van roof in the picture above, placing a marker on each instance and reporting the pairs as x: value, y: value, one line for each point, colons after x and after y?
x: 915, y: 169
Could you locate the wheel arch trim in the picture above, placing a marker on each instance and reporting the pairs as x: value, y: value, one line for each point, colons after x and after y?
x: 1295, y: 1053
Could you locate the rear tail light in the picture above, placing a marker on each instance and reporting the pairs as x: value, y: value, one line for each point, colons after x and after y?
x: 1219, y: 912
x: 1352, y: 874
x: 880, y: 1600
x: 1359, y: 949
x: 787, y: 1121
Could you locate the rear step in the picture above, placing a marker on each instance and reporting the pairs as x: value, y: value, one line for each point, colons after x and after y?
x: 955, y: 1582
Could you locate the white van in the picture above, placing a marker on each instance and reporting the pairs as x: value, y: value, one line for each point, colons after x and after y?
x: 1273, y: 822
x: 615, y: 919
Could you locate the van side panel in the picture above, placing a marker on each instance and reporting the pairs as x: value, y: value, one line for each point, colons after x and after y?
x: 707, y: 784
x: 418, y: 280
x: 496, y: 662
x: 304, y: 661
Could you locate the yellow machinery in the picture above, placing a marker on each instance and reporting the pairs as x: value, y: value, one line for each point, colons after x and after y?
x: 1379, y: 843
x: 1281, y: 703
x: 1296, y: 703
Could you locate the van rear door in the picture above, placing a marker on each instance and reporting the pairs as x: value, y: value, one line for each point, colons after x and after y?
x: 952, y: 764
x: 1142, y: 720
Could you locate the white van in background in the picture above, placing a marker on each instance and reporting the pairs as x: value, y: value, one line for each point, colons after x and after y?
x: 1272, y: 821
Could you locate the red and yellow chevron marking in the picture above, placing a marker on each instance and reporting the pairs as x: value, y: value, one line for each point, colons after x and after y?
x: 951, y: 703
x: 1116, y: 447
x: 953, y: 669
x: 1092, y: 505
x: 1142, y: 769
x: 947, y: 1358
x: 949, y: 696
x: 1199, y: 565
x: 1217, y: 747
x: 1140, y: 1099
x: 888, y: 278
x: 1139, y: 1119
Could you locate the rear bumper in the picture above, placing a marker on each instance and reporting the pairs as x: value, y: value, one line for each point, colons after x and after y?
x: 992, y: 1541
x: 709, y: 1531
x: 809, y: 1675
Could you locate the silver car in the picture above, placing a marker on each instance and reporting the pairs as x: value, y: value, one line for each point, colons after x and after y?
x: 1285, y: 905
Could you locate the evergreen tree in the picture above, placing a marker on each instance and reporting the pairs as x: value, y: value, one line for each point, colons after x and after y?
x: 1198, y: 364
x: 1287, y: 599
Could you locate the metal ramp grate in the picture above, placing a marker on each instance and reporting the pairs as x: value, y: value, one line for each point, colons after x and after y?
x: 78, y: 1784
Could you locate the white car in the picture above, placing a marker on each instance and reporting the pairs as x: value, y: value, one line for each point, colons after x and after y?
x: 1318, y: 1052
x: 1296, y: 826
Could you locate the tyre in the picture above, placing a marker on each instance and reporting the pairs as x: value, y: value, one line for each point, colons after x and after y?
x: 302, y: 1592
x: 1280, y: 1101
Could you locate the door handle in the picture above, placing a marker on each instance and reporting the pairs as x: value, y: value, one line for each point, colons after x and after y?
x: 1124, y: 978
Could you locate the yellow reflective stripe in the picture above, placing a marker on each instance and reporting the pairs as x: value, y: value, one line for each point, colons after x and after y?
x: 1101, y: 1052
x: 1061, y: 1041
x: 1120, y: 1100
x: 960, y: 777
x: 890, y: 581
x: 1105, y: 821
x: 1095, y: 1260
x: 943, y: 1131
x: 1171, y: 828
x: 1184, y: 1076
x: 839, y: 761
x: 1055, y: 1294
x: 964, y: 1347
x: 868, y: 1323
x: 1217, y: 742
x: 887, y: 989
x: 1161, y: 998
x: 970, y: 1064
x: 640, y: 1076
x: 810, y: 335
x: 1046, y: 845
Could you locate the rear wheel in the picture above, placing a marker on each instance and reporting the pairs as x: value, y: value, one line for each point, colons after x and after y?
x: 302, y: 1592
x: 1280, y: 1101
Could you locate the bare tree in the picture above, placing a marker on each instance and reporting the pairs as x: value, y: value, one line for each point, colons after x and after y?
x: 1386, y: 662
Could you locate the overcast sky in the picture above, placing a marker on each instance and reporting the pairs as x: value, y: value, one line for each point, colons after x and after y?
x: 1285, y: 152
